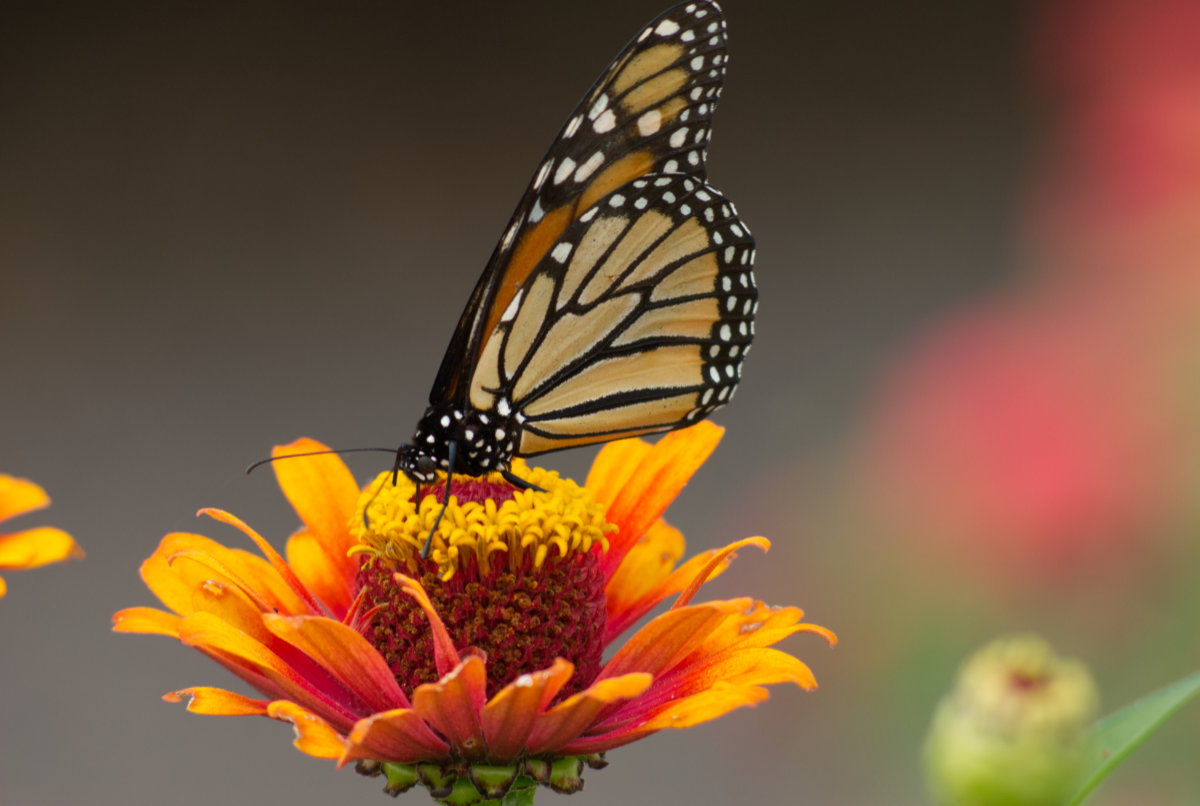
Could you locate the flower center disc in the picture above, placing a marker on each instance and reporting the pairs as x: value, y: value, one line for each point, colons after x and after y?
x: 514, y: 573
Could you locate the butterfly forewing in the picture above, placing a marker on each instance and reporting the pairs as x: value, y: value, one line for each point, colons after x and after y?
x: 650, y: 112
x: 636, y: 321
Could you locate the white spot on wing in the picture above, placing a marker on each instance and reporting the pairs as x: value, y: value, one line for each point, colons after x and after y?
x: 592, y: 163
x: 562, y: 252
x: 605, y: 122
x: 564, y: 170
x: 598, y: 107
x: 667, y: 27
x: 649, y: 122
x: 511, y: 310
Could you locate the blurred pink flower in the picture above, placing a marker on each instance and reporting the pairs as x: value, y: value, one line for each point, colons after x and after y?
x: 1018, y: 437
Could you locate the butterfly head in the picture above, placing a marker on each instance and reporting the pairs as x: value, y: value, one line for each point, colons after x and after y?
x: 417, y: 463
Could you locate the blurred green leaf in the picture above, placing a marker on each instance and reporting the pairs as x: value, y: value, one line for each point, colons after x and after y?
x: 1119, y: 734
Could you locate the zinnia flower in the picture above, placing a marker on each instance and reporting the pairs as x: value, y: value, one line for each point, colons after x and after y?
x: 482, y: 666
x: 33, y: 547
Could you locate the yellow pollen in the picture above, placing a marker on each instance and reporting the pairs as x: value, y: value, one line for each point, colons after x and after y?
x: 532, y: 526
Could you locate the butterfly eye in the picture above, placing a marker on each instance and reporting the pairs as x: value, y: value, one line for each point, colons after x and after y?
x: 426, y: 465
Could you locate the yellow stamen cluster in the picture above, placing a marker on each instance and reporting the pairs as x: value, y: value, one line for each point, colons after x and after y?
x: 528, y: 527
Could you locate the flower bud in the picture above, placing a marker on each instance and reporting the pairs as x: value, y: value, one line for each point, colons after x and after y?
x: 1012, y: 732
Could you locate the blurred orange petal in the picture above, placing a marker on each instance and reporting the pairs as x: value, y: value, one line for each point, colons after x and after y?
x: 36, y: 547
x: 19, y: 496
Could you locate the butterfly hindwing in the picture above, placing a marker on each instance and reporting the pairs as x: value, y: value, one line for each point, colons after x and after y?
x: 649, y: 112
x: 636, y: 321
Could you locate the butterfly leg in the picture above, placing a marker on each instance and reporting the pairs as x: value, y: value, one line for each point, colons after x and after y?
x: 519, y: 482
x: 452, y: 449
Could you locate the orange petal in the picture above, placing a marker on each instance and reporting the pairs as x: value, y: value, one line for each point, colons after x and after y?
x: 653, y: 485
x: 642, y: 572
x: 36, y: 547
x: 3, y: 587
x: 184, y: 562
x: 233, y: 647
x: 314, y: 735
x: 656, y: 647
x: 18, y: 496
x: 270, y: 554
x: 509, y: 717
x: 566, y: 721
x: 146, y: 620
x: 319, y: 573
x: 217, y: 702
x: 613, y: 466
x: 324, y: 494
x: 453, y: 704
x: 399, y: 735
x: 711, y: 564
x: 345, y: 654
x: 759, y: 626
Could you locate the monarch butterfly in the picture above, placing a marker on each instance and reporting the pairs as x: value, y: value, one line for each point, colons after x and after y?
x: 620, y: 298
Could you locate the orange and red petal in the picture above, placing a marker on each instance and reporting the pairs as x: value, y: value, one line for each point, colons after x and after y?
x: 345, y: 655
x: 658, y: 646
x: 400, y: 735
x: 630, y: 600
x: 509, y: 717
x: 564, y: 723
x: 36, y: 547
x: 296, y: 678
x: 324, y: 494
x: 453, y: 706
x: 644, y: 570
x: 637, y: 499
x: 19, y: 496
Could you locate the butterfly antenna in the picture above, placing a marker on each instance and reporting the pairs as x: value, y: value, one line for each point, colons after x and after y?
x: 262, y: 462
x: 453, y: 450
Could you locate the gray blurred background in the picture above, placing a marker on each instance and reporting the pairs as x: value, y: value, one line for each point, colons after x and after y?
x: 224, y: 226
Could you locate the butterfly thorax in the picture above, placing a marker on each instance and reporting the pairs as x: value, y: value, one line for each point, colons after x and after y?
x: 484, y: 441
